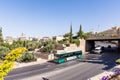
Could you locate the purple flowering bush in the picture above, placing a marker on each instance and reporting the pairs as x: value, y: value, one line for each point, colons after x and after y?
x: 105, y: 78
x: 115, y: 76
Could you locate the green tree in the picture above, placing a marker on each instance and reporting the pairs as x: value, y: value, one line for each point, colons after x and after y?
x: 27, y: 57
x: 77, y: 42
x: 67, y: 43
x: 54, y: 38
x: 3, y: 52
x: 48, y: 46
x: 66, y: 35
x: 7, y: 45
x: 71, y: 35
x: 1, y: 36
x: 86, y: 35
x: 30, y: 45
x: 80, y: 33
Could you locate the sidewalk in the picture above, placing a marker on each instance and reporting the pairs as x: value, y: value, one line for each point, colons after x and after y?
x: 105, y: 74
x: 39, y: 61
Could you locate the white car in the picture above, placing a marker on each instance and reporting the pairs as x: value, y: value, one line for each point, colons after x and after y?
x: 97, y: 50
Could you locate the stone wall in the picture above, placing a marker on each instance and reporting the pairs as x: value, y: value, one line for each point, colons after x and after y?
x: 74, y: 47
x: 44, y: 55
x: 82, y: 45
x: 71, y: 47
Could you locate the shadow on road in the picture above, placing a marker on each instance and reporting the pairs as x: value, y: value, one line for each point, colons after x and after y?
x: 108, y: 59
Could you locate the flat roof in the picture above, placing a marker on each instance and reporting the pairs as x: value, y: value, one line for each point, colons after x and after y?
x: 65, y: 52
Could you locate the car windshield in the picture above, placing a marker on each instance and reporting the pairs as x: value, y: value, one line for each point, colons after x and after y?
x: 97, y: 49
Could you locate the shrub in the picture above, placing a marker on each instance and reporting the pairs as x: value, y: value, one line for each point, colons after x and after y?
x: 59, y: 46
x: 48, y: 48
x: 54, y: 37
x: 61, y: 42
x: 44, y: 49
x: 65, y: 39
x: 27, y: 57
x: 77, y: 42
x: 114, y: 35
x: 6, y: 45
x: 117, y: 61
x: 67, y: 44
x: 7, y: 65
x: 3, y: 52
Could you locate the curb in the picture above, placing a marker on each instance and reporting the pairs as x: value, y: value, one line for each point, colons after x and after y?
x: 108, y: 73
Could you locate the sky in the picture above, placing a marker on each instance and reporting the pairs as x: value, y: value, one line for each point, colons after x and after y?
x: 38, y: 18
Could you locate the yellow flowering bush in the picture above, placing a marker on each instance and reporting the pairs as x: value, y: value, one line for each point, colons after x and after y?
x: 8, y: 64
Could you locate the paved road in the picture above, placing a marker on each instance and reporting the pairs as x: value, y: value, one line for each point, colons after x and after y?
x: 88, y: 69
x: 24, y: 72
x: 91, y: 65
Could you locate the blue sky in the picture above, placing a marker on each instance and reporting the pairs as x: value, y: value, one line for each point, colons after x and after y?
x: 53, y: 17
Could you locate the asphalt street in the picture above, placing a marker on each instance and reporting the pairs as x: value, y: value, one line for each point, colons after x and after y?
x: 90, y: 65
x: 88, y: 69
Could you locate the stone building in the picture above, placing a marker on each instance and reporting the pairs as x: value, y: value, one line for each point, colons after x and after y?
x: 22, y: 37
x: 9, y: 39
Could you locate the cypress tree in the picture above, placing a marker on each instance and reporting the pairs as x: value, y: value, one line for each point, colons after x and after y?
x: 80, y: 33
x: 1, y: 37
x: 71, y: 33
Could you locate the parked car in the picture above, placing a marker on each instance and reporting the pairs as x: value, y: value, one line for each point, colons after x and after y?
x: 97, y: 50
